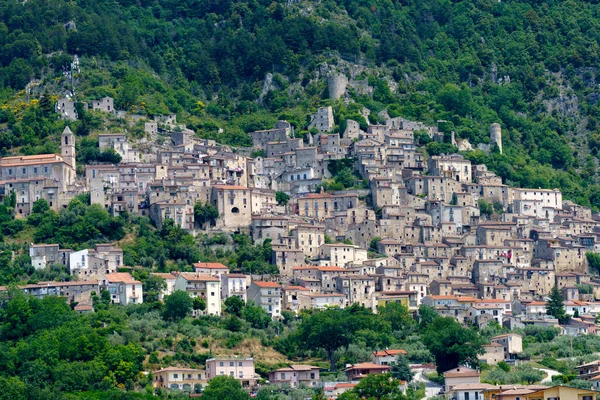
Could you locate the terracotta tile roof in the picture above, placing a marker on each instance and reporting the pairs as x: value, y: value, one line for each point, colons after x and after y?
x: 198, y: 277
x: 210, y: 265
x: 472, y: 386
x: 368, y: 365
x: 267, y: 284
x: 295, y: 288
x: 122, y: 277
x: 168, y: 369
x: 389, y: 352
x: 164, y: 276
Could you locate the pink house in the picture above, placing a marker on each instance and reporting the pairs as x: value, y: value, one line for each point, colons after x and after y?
x: 239, y: 368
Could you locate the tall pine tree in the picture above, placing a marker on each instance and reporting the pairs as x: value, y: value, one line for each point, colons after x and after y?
x: 555, y: 306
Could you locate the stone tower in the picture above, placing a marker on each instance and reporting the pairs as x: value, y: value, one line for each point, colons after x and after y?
x: 496, y: 136
x: 67, y: 147
x: 336, y: 84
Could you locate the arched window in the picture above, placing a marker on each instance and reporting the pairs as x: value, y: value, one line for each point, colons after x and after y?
x: 235, y: 210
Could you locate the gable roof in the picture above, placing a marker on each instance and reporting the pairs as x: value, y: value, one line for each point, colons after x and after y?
x: 389, y: 352
x: 208, y: 265
x: 193, y: 277
x: 120, y: 277
x: 267, y: 284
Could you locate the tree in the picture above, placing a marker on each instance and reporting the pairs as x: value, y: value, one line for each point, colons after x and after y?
x: 153, y: 285
x: 397, y: 315
x: 199, y: 304
x: 401, y: 369
x: 40, y: 206
x: 555, y: 306
x: 378, y: 387
x: 327, y: 330
x: 593, y: 260
x: 426, y: 315
x: 234, y: 305
x: 485, y: 207
x: 282, y: 198
x: 177, y: 306
x: 224, y: 387
x: 256, y: 316
x: 205, y: 212
x: 451, y: 344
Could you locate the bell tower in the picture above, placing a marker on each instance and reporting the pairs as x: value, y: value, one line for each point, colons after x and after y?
x: 67, y: 147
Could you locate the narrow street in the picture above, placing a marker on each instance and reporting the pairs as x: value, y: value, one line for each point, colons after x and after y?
x: 431, y: 388
x: 549, y: 374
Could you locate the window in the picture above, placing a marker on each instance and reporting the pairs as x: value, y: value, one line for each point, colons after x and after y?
x: 231, y: 363
x: 175, y: 376
x: 221, y: 364
x: 230, y: 373
x: 240, y: 364
x: 466, y: 395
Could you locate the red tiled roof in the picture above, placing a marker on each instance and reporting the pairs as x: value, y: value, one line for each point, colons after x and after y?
x: 267, y: 284
x: 210, y: 265
x: 389, y: 352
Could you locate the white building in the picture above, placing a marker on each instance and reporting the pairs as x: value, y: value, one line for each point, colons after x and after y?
x: 268, y: 296
x: 205, y: 286
x: 170, y: 280
x: 234, y: 285
x: 122, y: 287
x: 212, y: 269
x: 308, y: 301
x: 342, y: 254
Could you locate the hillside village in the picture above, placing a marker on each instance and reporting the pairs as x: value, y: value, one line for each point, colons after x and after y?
x: 415, y: 229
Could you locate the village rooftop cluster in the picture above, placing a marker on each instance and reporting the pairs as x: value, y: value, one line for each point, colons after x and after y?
x: 414, y: 233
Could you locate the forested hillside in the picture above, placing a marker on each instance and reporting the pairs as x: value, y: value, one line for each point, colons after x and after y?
x: 529, y: 65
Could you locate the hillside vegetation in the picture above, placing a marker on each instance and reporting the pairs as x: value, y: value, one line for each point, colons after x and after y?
x: 529, y: 65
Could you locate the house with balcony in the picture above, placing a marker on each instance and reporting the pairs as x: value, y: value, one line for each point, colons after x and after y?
x: 358, y: 371
x: 295, y: 376
x: 234, y: 285
x: 512, y: 343
x: 588, y: 370
x: 460, y: 376
x: 169, y: 288
x: 204, y: 286
x: 309, y: 301
x: 212, y: 269
x: 240, y: 368
x: 387, y: 356
x: 268, y: 296
x: 176, y: 378
x: 290, y: 297
x: 122, y: 287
